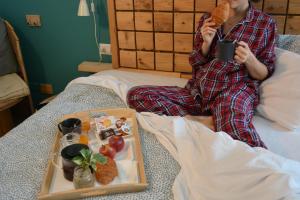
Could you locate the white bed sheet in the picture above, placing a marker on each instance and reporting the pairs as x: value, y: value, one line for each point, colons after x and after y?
x: 278, y: 139
x: 226, y: 164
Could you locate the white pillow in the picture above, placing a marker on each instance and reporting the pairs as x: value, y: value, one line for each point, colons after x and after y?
x: 280, y: 94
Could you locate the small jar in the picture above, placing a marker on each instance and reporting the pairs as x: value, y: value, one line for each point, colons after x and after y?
x: 83, y: 178
x: 69, y: 139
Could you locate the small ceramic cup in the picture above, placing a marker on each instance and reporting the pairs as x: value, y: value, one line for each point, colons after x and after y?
x: 70, y: 125
x: 67, y: 154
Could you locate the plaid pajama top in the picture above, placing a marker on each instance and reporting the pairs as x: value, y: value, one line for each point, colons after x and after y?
x: 223, y: 89
x: 212, y: 76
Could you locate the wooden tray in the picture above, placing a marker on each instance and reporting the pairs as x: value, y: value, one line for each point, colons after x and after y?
x: 46, y: 194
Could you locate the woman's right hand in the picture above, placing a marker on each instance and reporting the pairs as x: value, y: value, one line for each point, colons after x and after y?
x: 207, y: 31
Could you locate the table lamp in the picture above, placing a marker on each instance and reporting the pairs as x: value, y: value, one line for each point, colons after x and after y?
x: 83, y: 10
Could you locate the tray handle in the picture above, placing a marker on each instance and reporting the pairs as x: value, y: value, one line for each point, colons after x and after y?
x: 93, y: 193
x: 53, y: 162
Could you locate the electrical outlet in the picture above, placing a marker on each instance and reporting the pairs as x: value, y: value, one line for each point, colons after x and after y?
x: 105, y: 49
x: 46, y: 88
x: 33, y: 20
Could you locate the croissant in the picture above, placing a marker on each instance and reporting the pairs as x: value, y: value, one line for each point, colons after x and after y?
x: 220, y: 14
x: 106, y: 173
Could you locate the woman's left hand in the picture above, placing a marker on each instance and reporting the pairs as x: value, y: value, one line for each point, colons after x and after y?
x: 243, y: 54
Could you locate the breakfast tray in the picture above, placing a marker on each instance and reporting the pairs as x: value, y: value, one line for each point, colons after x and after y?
x: 52, y: 172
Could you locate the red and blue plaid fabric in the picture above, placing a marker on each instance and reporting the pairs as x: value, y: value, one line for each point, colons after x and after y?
x: 224, y: 89
x: 212, y: 76
x: 163, y: 100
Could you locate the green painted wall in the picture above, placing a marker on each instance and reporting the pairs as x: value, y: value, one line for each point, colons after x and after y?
x: 53, y: 51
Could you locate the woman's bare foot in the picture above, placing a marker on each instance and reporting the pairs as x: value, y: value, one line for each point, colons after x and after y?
x: 206, y: 120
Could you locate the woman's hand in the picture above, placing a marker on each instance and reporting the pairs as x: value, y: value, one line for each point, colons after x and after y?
x: 243, y: 54
x: 208, y: 33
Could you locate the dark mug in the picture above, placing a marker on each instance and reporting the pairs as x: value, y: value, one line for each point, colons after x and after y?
x: 70, y: 125
x: 67, y: 154
x: 225, y: 50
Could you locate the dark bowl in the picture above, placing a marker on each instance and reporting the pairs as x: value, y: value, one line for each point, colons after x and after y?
x: 69, y: 152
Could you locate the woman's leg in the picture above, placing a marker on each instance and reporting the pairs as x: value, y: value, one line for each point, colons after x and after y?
x: 233, y: 112
x: 167, y: 100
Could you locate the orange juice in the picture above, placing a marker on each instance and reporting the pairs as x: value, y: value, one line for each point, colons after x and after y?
x: 84, y: 139
x: 85, y: 126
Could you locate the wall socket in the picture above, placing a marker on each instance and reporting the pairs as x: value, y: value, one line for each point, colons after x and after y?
x: 46, y: 88
x: 104, y: 49
x: 33, y: 20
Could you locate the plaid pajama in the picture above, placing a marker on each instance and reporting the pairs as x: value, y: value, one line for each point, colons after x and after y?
x: 167, y: 100
x: 224, y: 89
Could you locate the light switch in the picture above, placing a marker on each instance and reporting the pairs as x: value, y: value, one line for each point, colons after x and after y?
x: 33, y: 20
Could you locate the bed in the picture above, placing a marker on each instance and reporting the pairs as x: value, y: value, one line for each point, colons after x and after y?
x: 25, y: 149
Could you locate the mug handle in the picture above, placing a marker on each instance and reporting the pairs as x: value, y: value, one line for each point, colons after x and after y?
x: 59, y: 127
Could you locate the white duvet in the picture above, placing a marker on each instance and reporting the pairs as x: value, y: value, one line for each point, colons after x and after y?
x: 213, y: 165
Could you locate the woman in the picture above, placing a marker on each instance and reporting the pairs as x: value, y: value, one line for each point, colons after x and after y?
x: 227, y: 90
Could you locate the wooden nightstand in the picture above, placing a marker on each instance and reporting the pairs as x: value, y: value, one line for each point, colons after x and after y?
x: 86, y: 66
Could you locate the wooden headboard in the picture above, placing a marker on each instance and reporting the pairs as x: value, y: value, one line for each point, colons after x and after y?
x: 157, y: 35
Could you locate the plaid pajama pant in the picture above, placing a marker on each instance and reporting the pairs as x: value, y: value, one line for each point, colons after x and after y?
x: 163, y: 100
x: 232, y: 110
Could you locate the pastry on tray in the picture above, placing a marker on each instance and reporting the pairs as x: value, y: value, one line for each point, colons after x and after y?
x: 106, y: 172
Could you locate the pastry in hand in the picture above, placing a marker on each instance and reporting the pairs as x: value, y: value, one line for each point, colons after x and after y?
x: 220, y: 14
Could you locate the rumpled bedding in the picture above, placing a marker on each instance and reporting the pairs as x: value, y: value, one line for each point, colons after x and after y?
x: 289, y: 42
x: 24, y: 151
x: 213, y: 165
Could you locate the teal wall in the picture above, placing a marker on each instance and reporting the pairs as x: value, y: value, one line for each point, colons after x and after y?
x: 53, y: 51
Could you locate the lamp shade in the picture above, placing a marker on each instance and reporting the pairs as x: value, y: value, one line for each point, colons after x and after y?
x: 83, y: 9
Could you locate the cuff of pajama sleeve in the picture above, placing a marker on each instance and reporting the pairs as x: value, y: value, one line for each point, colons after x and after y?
x: 197, y: 58
x: 271, y: 69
